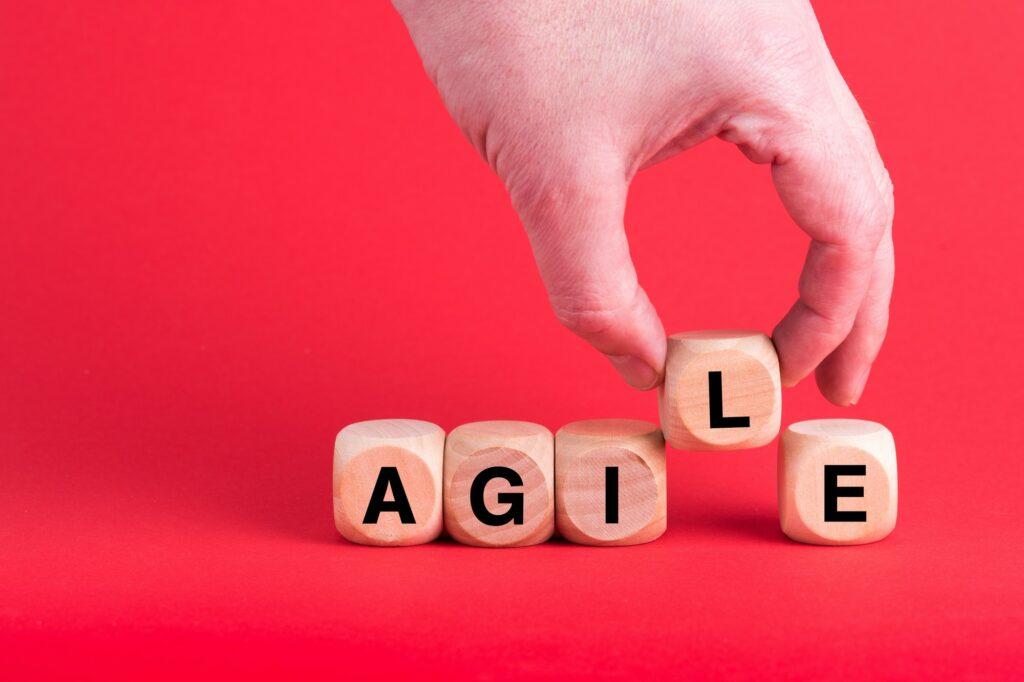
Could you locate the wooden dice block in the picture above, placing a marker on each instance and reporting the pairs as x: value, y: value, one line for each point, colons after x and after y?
x: 610, y: 482
x: 837, y: 481
x: 499, y: 484
x: 722, y: 391
x: 387, y: 482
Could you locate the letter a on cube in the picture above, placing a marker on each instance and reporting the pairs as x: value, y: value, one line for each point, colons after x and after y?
x: 387, y: 482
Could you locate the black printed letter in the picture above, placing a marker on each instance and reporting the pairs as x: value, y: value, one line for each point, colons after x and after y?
x: 611, y: 494
x: 514, y: 500
x: 388, y: 476
x: 833, y: 492
x: 715, y: 402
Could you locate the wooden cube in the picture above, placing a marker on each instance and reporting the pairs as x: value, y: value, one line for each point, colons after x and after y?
x: 387, y: 482
x: 837, y: 482
x: 722, y: 391
x: 499, y: 484
x: 610, y: 482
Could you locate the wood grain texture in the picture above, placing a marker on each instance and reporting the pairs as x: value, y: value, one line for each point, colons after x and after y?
x: 526, y: 448
x: 416, y: 449
x: 805, y: 449
x: 583, y: 452
x: 750, y: 387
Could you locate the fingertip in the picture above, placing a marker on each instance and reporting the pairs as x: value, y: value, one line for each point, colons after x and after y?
x: 842, y: 386
x: 791, y: 372
x: 789, y: 379
x: 632, y: 337
x: 859, y: 386
x: 640, y: 360
x: 833, y: 393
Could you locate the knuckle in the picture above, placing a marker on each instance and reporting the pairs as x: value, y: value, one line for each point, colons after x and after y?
x: 544, y: 182
x: 888, y: 195
x: 831, y: 325
x: 867, y: 215
x: 877, y: 218
x: 553, y: 168
x: 585, y: 323
x: 592, y: 314
x: 539, y: 197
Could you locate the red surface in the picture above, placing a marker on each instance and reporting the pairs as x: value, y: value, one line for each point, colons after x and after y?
x: 229, y: 232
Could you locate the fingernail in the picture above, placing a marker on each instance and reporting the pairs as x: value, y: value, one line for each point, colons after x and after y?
x: 635, y: 371
x: 858, y: 386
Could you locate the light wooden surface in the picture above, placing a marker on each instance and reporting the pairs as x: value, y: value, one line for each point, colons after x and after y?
x: 522, y: 446
x: 583, y: 452
x: 750, y: 383
x: 804, y: 451
x: 416, y: 449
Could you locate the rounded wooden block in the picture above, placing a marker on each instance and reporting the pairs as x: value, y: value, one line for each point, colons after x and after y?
x: 722, y: 391
x: 363, y: 455
x: 584, y: 451
x: 839, y: 468
x: 495, y: 447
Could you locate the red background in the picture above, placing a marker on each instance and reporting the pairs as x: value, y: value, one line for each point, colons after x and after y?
x: 228, y: 232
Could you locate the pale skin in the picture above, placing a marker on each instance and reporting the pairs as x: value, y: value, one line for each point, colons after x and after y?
x: 567, y: 100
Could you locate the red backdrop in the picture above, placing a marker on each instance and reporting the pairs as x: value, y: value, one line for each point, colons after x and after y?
x: 229, y: 231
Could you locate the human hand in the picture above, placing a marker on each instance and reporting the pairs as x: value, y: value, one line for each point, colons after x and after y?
x: 567, y: 100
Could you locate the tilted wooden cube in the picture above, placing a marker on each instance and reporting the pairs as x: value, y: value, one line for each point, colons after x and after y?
x: 610, y: 482
x: 499, y: 484
x: 722, y: 391
x: 387, y: 482
x: 837, y: 482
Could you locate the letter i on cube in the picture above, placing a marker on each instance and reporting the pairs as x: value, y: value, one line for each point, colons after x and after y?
x: 610, y: 482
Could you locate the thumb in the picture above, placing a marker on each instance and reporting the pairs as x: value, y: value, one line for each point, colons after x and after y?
x: 574, y: 221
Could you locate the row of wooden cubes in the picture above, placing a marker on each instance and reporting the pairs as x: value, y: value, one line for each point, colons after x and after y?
x: 599, y: 482
x: 500, y: 483
x: 602, y: 482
